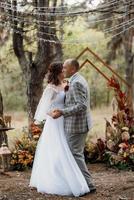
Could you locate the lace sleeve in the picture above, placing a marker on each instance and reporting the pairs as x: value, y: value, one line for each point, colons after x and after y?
x: 45, y: 102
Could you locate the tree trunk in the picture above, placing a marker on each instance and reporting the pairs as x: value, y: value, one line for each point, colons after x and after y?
x: 34, y: 70
x: 129, y: 57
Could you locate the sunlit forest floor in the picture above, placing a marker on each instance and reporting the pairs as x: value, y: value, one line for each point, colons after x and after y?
x: 111, y: 184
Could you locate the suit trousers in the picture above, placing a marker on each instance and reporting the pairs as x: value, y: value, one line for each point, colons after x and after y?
x: 76, y: 143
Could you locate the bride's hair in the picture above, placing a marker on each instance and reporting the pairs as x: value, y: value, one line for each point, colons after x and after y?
x: 54, y: 70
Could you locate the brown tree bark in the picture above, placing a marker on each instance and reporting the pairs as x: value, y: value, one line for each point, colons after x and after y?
x: 129, y: 54
x: 124, y: 37
x: 129, y: 59
x: 1, y: 105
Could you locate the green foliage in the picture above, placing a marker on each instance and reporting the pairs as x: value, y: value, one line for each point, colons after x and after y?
x: 12, y: 83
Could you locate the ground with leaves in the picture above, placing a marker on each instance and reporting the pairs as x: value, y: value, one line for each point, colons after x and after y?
x: 111, y: 184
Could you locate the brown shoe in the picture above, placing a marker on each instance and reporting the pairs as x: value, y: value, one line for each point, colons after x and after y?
x: 92, y: 190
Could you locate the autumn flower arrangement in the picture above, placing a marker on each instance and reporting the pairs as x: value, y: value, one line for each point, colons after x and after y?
x: 23, y: 153
x: 118, y: 147
x: 36, y: 130
x: 24, y: 149
x: 120, y: 132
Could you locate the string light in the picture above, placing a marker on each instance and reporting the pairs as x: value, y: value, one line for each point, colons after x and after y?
x: 107, y: 30
x: 51, y: 27
x: 119, y: 25
x: 68, y: 14
x: 46, y: 21
x: 69, y: 42
x: 57, y: 7
x: 18, y: 18
x: 116, y: 27
x: 78, y: 42
x: 122, y: 31
x: 54, y: 7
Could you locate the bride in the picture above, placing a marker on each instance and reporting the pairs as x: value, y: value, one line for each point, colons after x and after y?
x: 55, y: 170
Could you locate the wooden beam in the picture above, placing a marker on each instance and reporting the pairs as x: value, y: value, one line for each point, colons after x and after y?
x: 104, y: 63
x: 88, y: 61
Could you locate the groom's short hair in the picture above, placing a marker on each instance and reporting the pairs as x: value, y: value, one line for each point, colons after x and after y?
x: 73, y: 62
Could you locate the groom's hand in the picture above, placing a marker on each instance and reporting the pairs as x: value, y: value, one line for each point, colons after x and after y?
x: 56, y: 113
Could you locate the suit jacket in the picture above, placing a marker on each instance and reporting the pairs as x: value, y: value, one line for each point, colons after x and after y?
x: 76, y: 113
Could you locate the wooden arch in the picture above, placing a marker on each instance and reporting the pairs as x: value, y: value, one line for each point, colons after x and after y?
x: 108, y: 67
x: 97, y: 68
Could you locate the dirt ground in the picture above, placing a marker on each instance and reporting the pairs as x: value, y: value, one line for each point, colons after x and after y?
x: 111, y: 184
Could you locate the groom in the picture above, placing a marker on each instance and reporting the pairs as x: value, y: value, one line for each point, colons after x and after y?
x: 77, y: 121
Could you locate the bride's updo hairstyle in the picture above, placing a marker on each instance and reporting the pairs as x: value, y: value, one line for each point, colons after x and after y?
x: 54, y: 70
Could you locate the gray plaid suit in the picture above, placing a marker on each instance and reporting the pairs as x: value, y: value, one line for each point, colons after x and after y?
x: 77, y: 121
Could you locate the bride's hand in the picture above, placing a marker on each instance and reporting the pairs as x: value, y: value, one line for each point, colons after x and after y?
x: 51, y: 114
x: 55, y: 114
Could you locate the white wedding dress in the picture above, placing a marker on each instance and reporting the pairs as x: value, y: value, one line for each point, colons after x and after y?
x: 55, y: 170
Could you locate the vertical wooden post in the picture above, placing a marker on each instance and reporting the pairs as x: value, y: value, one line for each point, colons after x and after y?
x: 1, y: 105
x: 3, y: 135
